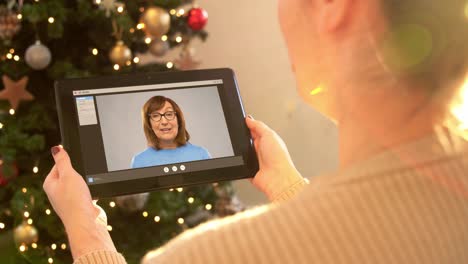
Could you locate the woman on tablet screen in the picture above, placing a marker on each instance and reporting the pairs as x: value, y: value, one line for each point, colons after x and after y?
x: 166, y: 135
x: 393, y: 74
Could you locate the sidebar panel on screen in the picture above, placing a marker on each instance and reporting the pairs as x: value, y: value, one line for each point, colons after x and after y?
x: 92, y: 146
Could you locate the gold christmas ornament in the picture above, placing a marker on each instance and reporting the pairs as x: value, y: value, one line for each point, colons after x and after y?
x: 25, y: 234
x: 157, y: 21
x: 120, y: 54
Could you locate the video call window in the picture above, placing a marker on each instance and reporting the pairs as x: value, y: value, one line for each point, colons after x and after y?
x: 146, y: 126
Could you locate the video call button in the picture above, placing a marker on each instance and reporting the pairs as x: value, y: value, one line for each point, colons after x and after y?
x: 182, y: 167
x: 166, y: 169
x: 174, y: 168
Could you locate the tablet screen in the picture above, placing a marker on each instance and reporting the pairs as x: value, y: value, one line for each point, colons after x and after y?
x: 151, y: 130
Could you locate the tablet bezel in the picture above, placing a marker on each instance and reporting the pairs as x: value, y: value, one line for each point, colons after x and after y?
x: 233, y: 112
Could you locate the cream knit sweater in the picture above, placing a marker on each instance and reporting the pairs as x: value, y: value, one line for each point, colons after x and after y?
x: 407, y: 205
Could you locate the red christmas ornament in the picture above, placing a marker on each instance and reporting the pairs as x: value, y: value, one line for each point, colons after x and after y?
x: 3, y: 178
x: 197, y: 18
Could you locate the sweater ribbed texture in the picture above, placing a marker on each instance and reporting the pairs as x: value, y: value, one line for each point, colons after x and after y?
x: 406, y: 205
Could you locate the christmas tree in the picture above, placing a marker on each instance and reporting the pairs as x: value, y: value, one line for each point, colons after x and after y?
x: 46, y: 40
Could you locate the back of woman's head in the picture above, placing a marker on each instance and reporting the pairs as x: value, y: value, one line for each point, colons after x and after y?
x: 426, y: 45
x: 427, y: 40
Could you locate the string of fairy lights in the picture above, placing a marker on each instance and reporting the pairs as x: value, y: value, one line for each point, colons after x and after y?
x: 23, y: 247
x: 28, y: 221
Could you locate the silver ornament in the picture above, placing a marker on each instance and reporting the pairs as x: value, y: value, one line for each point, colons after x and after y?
x: 38, y: 56
x: 159, y: 48
x: 132, y: 203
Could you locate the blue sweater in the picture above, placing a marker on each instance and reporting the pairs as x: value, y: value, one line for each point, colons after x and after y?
x: 152, y: 157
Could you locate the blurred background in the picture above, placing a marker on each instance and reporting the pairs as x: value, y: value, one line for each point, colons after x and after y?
x: 42, y: 41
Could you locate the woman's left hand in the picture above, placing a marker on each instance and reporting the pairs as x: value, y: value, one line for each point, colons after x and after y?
x: 85, y: 222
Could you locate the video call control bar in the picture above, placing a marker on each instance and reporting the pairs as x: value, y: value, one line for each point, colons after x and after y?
x: 164, y: 170
x: 146, y: 87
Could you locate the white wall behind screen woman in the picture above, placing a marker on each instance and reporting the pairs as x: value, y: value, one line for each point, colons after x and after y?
x: 122, y: 129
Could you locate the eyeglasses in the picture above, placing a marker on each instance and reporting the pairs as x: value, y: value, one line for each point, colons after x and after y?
x: 169, y: 115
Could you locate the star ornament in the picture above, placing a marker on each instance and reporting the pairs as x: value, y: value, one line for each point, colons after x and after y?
x: 15, y: 92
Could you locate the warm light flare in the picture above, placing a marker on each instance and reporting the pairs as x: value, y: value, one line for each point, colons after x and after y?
x: 317, y: 90
x: 460, y: 107
x: 22, y: 248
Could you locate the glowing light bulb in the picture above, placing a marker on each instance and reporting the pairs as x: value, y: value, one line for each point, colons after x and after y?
x: 22, y: 248
x: 64, y: 246
x: 157, y: 219
x: 140, y: 26
x: 164, y: 38
x: 169, y: 65
x: 9, y: 56
x: 12, y: 51
x: 116, y: 67
x: 2, y: 225
x: 53, y: 246
x: 191, y: 199
x: 1, y: 125
x: 34, y: 245
x: 50, y: 260
x: 26, y: 214
x: 16, y: 58
x: 208, y: 206
x: 35, y: 169
x: 180, y: 220
x: 12, y: 111
x: 180, y: 189
x: 172, y: 12
x: 136, y: 60
x: 109, y: 227
x: 51, y: 20
x: 95, y: 51
x: 19, y: 16
x: 30, y: 221
x: 24, y: 190
x: 178, y: 39
x: 47, y: 211
x: 112, y: 204
x: 145, y: 214
x: 120, y: 9
x: 148, y: 40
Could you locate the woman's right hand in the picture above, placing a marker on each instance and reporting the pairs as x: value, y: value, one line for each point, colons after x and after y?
x: 277, y: 172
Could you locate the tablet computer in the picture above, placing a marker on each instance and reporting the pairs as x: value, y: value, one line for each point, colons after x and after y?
x: 140, y: 132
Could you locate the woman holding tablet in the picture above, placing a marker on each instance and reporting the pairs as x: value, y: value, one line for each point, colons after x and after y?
x: 393, y: 74
x: 166, y: 135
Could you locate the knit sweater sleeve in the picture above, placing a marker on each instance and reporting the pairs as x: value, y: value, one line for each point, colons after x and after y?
x: 101, y: 257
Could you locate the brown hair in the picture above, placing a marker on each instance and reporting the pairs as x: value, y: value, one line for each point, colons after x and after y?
x: 153, y: 104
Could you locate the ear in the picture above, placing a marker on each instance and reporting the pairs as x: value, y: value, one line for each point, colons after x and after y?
x: 333, y: 14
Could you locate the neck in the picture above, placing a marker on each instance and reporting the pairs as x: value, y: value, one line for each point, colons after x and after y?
x: 380, y: 129
x: 167, y: 145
